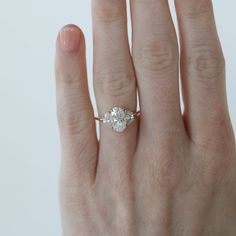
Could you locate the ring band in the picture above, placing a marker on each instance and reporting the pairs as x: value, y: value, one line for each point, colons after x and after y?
x: 118, y: 118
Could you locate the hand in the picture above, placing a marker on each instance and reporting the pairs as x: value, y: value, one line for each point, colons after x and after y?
x: 168, y: 173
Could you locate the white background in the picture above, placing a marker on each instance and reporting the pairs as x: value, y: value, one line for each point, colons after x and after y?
x: 29, y: 144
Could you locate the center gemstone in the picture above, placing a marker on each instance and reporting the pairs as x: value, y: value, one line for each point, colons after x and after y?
x: 118, y: 119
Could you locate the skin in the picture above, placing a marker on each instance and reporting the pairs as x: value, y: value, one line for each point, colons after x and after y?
x: 169, y: 173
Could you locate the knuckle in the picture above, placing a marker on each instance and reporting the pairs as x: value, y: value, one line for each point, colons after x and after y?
x: 74, y: 201
x: 218, y: 138
x: 115, y: 83
x: 69, y: 77
x: 167, y: 96
x: 197, y: 9
x: 166, y: 172
x: 108, y: 11
x: 158, y: 55
x: 223, y: 132
x: 74, y: 122
x: 214, y: 168
x: 207, y: 64
x: 222, y: 144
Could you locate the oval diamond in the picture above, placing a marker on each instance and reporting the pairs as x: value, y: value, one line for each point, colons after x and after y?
x: 118, y: 119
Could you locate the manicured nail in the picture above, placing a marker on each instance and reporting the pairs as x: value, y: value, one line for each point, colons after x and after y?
x: 70, y: 38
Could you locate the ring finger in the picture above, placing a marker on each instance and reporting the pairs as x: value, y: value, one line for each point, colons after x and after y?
x: 114, y: 82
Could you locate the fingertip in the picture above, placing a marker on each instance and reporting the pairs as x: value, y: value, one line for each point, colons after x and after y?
x: 70, y: 38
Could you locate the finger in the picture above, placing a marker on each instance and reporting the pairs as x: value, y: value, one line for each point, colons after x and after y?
x: 114, y: 79
x: 155, y: 55
x: 203, y: 72
x: 75, y: 113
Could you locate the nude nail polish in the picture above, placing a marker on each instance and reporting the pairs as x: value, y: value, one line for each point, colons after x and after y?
x: 70, y: 38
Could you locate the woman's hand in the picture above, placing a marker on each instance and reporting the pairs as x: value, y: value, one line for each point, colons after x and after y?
x: 167, y: 173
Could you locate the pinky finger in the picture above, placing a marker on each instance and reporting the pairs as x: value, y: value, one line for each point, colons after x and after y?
x: 75, y: 112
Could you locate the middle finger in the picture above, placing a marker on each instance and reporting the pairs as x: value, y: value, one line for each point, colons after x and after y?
x: 155, y: 55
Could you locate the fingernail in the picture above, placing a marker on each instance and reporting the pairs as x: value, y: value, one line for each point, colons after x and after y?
x: 70, y: 38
